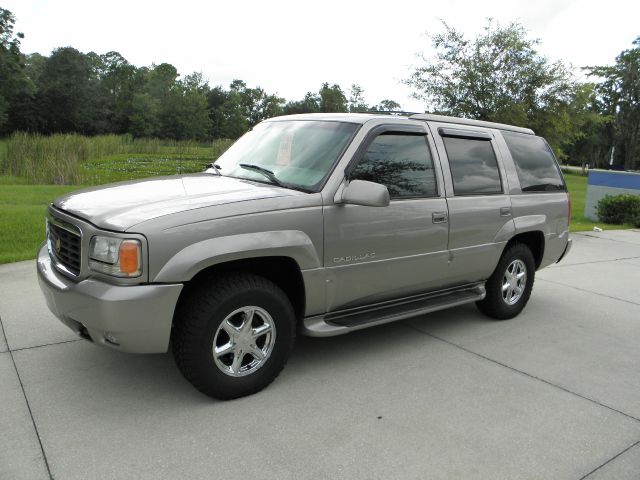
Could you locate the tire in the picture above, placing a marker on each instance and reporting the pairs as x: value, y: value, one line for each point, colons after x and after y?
x: 213, y: 319
x: 504, y: 299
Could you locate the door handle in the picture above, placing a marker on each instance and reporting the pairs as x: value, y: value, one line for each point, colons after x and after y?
x: 505, y: 211
x: 439, y: 217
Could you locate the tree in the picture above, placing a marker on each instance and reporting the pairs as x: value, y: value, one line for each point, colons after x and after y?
x: 498, y: 77
x: 387, y: 106
x: 16, y: 90
x: 619, y: 94
x: 183, y: 112
x: 332, y: 99
x: 69, y: 94
x: 309, y: 104
x: 593, y: 143
x: 357, y: 103
x: 120, y: 81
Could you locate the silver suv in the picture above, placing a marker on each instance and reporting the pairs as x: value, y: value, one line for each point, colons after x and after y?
x: 315, y: 224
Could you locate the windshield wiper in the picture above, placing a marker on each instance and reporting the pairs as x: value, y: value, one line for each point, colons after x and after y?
x: 267, y: 173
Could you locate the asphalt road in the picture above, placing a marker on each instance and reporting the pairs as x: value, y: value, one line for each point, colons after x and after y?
x: 551, y: 394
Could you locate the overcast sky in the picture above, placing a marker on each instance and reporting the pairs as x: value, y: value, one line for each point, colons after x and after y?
x: 291, y: 47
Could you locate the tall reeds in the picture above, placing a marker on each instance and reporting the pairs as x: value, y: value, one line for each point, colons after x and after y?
x: 57, y: 159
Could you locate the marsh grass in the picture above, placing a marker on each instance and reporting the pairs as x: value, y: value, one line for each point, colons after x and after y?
x: 76, y: 159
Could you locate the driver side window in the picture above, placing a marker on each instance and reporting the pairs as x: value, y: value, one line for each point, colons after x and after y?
x: 400, y: 161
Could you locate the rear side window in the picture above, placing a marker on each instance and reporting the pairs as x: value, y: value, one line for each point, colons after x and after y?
x: 473, y: 166
x: 536, y: 166
x: 401, y: 162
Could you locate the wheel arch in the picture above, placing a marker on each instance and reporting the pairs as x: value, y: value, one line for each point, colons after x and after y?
x: 534, y: 240
x: 282, y: 270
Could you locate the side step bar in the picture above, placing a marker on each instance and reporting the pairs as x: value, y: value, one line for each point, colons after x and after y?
x: 345, y: 321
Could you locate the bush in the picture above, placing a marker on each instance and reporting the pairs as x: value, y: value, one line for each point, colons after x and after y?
x: 619, y: 209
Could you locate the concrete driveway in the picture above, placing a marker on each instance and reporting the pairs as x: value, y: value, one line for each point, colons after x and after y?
x: 551, y: 394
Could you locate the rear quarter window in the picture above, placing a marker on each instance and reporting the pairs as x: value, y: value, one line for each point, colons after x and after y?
x: 535, y: 164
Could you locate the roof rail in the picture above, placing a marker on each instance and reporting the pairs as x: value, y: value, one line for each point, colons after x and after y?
x: 391, y: 112
x: 467, y: 121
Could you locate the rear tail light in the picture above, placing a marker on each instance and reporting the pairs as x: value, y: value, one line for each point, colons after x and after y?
x: 569, y: 217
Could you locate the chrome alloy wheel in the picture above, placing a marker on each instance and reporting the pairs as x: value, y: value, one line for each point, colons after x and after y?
x: 514, y: 282
x: 244, y: 340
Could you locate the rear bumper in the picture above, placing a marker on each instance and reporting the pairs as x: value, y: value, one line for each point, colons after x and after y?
x: 567, y: 249
x: 135, y: 319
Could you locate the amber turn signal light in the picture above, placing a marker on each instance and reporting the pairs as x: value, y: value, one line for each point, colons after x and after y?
x: 129, y: 257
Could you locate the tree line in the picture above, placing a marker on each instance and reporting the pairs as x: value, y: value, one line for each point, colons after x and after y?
x: 497, y: 76
x: 89, y: 93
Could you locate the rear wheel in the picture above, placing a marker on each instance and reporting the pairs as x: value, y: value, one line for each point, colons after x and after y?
x: 233, y: 336
x: 509, y: 287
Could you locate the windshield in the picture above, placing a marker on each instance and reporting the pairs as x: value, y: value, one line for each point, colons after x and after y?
x: 298, y: 153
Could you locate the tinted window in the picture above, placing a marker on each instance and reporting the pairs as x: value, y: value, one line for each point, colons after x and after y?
x: 473, y: 166
x: 535, y: 163
x: 402, y: 163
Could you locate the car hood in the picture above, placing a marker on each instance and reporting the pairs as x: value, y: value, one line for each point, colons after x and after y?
x: 120, y: 206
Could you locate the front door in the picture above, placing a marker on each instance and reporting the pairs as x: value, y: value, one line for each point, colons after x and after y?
x: 374, y: 254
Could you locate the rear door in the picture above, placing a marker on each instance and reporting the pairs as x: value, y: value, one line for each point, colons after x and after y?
x: 480, y: 219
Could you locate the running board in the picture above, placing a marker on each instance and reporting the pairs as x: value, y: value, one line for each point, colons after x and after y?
x: 345, y: 321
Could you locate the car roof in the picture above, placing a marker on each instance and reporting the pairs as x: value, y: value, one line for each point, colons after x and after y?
x: 337, y: 117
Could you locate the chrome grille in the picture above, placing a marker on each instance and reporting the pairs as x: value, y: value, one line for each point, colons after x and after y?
x: 64, y: 246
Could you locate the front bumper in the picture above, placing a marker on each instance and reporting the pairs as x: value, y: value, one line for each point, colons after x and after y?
x: 135, y: 319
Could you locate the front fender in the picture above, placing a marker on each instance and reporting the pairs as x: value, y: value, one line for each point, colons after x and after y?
x: 186, y: 263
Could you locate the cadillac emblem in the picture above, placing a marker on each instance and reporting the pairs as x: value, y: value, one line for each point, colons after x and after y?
x: 57, y: 245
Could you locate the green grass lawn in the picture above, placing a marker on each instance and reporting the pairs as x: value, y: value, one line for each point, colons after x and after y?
x: 22, y: 206
x: 577, y: 185
x: 22, y: 209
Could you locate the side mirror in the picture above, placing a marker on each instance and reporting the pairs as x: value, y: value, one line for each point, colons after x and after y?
x: 368, y: 194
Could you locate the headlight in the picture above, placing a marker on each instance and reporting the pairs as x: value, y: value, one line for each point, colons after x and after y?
x: 115, y: 256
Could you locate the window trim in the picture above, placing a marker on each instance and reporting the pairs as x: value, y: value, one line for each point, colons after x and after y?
x: 410, y: 130
x: 467, y: 134
x: 473, y: 136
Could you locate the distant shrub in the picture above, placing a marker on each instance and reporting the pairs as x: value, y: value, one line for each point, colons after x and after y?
x: 619, y: 209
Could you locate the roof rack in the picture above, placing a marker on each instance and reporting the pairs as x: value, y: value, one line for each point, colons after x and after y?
x: 467, y: 121
x: 392, y: 112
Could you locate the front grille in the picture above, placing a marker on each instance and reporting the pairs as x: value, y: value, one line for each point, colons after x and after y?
x: 65, y: 246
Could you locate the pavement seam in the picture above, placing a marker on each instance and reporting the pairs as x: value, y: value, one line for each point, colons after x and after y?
x: 607, y: 239
x: 521, y: 372
x: 567, y: 265
x: 46, y: 345
x: 26, y: 400
x: 588, y: 291
x: 610, y: 460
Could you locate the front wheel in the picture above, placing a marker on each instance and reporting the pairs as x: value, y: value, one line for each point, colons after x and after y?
x: 233, y: 336
x: 509, y: 287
